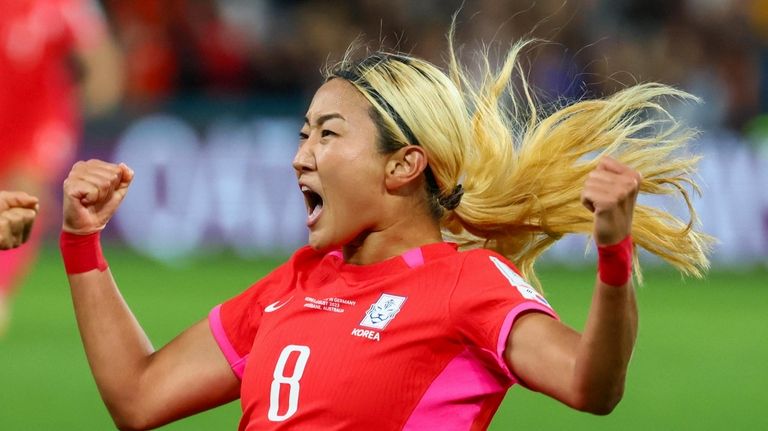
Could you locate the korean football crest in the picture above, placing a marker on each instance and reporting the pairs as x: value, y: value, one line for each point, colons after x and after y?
x: 383, y: 311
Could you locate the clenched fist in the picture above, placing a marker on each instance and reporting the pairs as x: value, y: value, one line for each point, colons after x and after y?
x: 92, y: 192
x: 610, y: 193
x: 17, y: 214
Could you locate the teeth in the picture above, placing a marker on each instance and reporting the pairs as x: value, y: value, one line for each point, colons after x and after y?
x: 305, y: 189
x: 316, y: 210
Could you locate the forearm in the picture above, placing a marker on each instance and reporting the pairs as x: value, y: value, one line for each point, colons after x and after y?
x: 605, y: 347
x: 587, y: 370
x: 117, y: 349
x: 142, y: 388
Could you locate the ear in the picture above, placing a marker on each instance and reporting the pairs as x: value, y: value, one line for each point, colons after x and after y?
x: 405, y: 166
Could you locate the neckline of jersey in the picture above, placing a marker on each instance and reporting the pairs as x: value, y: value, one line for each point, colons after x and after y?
x: 392, y: 265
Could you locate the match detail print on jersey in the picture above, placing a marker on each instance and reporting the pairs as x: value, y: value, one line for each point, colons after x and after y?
x: 332, y: 304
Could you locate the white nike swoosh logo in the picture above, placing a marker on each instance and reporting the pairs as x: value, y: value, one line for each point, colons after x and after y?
x: 276, y: 305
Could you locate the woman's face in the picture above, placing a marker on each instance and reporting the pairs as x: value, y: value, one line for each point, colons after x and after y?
x: 339, y: 169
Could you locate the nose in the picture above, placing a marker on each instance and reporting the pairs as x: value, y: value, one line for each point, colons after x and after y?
x: 303, y: 160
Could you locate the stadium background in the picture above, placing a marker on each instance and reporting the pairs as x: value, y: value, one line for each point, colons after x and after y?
x: 213, y: 94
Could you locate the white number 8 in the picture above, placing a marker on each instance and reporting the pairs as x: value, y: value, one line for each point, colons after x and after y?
x: 292, y: 382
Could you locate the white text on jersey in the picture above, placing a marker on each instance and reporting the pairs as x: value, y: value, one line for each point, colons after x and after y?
x: 366, y: 333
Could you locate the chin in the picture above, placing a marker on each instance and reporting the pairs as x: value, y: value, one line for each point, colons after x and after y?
x: 323, y: 242
x: 320, y: 244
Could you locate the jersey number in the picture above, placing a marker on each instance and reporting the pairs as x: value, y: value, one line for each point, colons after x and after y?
x: 293, y: 382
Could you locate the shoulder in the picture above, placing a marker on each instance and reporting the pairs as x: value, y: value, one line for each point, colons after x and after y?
x: 280, y: 278
x: 486, y: 270
x: 484, y: 264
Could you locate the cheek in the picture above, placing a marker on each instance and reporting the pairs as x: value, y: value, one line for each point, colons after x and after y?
x: 354, y: 200
x: 353, y: 195
x: 351, y: 173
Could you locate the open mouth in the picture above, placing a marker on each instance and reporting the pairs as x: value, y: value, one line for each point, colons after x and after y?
x: 314, y: 203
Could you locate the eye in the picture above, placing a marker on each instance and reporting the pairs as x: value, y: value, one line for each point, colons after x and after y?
x: 303, y: 136
x: 325, y: 133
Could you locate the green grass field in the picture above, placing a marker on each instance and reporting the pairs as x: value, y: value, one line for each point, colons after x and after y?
x: 700, y: 361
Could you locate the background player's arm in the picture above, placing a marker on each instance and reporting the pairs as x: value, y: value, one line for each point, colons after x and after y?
x: 101, y: 86
x: 95, y: 58
x: 142, y: 388
x: 586, y: 371
x: 17, y: 214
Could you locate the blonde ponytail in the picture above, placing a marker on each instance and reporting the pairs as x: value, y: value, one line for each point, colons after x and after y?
x: 520, y: 197
x: 522, y: 172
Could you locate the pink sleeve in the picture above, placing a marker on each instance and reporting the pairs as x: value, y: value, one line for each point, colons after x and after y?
x: 235, y: 323
x: 506, y: 328
x: 236, y: 361
x: 487, y: 300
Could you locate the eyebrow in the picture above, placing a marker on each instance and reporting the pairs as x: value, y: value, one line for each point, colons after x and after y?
x: 323, y: 118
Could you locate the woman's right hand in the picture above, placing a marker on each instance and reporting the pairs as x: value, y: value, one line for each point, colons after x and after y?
x: 92, y: 192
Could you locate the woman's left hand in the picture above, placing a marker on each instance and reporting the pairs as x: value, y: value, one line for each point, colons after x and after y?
x: 610, y: 193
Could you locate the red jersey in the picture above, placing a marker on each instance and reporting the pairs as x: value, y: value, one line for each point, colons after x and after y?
x: 412, y: 343
x: 38, y: 101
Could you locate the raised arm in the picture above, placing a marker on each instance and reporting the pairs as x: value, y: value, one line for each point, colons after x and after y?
x: 587, y: 371
x: 142, y: 388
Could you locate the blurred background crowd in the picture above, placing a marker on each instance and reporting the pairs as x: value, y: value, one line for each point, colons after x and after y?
x: 716, y: 49
x: 203, y: 60
x: 205, y: 96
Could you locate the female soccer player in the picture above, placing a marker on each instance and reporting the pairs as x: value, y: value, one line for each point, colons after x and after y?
x: 378, y: 323
x: 40, y: 42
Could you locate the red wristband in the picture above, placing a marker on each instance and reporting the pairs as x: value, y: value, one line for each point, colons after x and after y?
x: 614, y: 262
x: 81, y: 253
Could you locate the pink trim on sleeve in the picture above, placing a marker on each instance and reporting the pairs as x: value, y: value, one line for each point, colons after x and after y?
x: 413, y: 257
x: 217, y: 328
x: 506, y: 327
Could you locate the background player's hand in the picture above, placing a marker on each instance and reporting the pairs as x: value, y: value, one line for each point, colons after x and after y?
x: 610, y: 193
x: 92, y: 192
x: 17, y: 214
